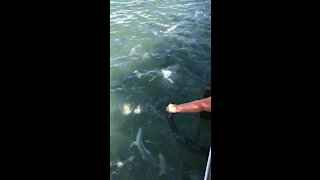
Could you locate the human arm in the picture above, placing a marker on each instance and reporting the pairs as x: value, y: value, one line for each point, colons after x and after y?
x: 194, y: 106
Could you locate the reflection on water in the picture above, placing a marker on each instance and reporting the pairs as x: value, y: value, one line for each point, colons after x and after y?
x: 160, y: 53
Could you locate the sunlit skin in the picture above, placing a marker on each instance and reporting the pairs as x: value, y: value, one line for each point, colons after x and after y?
x: 190, y: 107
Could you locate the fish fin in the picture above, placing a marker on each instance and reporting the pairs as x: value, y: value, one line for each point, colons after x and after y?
x: 148, y: 141
x: 170, y: 80
x: 134, y: 143
x: 131, y: 158
x: 148, y: 151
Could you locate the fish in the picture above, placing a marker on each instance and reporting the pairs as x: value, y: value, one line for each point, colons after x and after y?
x: 145, y: 154
x: 172, y: 28
x: 185, y: 141
x: 125, y: 162
x: 114, y: 176
x: 165, y: 169
x: 132, y: 52
x: 146, y: 56
x: 122, y: 163
x: 166, y: 74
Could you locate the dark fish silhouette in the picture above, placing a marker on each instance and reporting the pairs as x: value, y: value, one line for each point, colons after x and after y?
x: 165, y: 169
x: 185, y: 141
x: 119, y: 164
x: 145, y: 154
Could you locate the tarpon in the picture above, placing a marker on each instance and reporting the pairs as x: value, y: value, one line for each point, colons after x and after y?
x: 185, y: 141
x: 124, y: 162
x: 119, y: 164
x: 145, y: 154
x: 165, y: 169
x: 172, y: 28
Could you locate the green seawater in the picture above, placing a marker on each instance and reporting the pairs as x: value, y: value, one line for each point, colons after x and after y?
x: 160, y: 52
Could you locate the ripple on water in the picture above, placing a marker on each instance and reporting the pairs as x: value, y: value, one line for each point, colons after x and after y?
x: 160, y: 52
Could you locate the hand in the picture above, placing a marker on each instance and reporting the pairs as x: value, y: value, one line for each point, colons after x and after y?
x: 172, y: 108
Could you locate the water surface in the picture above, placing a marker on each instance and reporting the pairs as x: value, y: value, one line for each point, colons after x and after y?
x: 160, y: 53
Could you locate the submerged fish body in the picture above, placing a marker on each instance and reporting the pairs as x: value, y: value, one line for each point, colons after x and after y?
x: 165, y: 169
x: 132, y: 52
x: 114, y: 176
x: 172, y: 28
x: 125, y: 162
x: 145, y: 154
x: 168, y: 72
x: 185, y: 141
x: 119, y: 164
x: 113, y: 167
x: 146, y: 56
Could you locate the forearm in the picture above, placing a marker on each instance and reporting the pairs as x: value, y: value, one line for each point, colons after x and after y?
x: 189, y: 107
x: 195, y: 106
